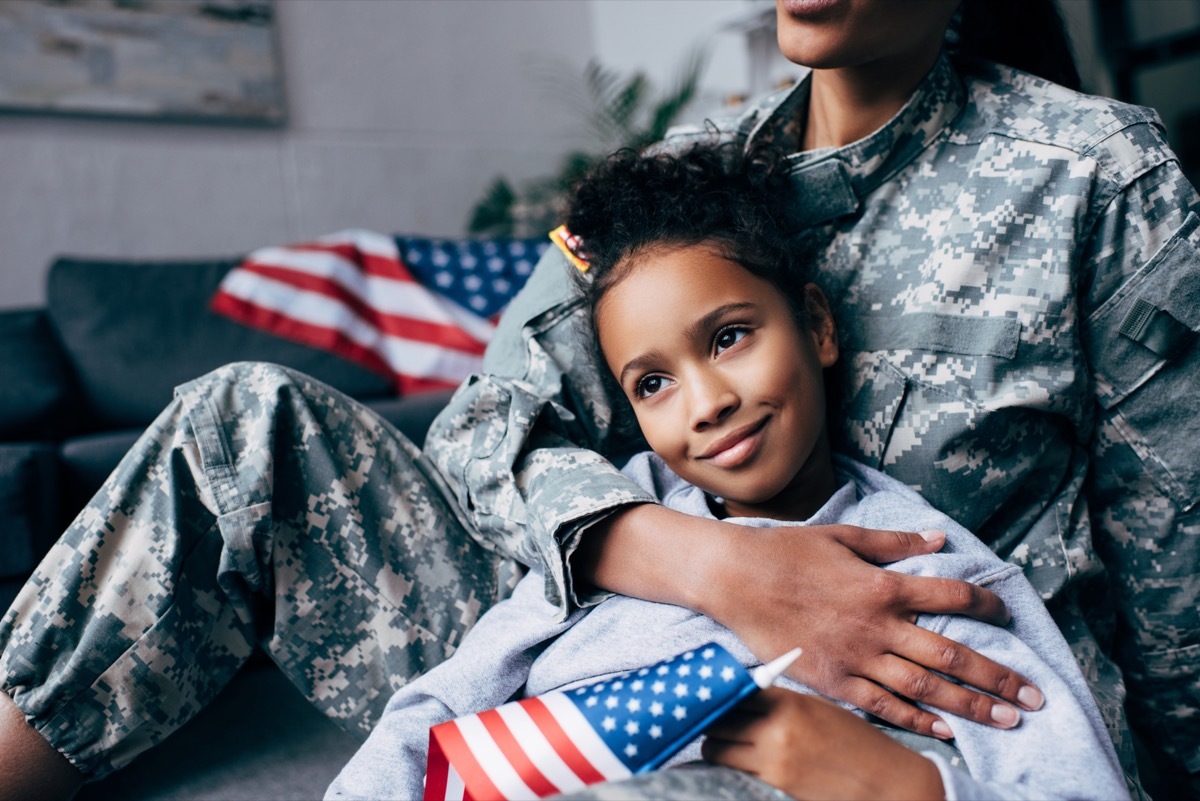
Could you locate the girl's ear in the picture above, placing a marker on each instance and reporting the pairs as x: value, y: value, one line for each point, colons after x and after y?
x: 821, y: 326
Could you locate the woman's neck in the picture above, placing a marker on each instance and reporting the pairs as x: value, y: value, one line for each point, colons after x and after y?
x: 849, y: 103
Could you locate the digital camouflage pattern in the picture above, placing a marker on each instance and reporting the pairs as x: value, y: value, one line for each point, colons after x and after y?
x: 1015, y: 272
x: 261, y: 506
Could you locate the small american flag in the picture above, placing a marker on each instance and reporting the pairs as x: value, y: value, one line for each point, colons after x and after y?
x: 416, y: 309
x: 605, y: 731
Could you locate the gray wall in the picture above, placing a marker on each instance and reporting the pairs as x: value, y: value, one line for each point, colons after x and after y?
x: 401, y: 112
x: 400, y: 115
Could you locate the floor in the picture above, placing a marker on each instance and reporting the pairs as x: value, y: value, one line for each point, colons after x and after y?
x: 258, y: 740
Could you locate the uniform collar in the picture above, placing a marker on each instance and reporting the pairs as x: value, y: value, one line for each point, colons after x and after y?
x: 833, y: 182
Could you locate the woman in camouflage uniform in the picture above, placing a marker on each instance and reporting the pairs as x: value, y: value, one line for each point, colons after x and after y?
x: 1010, y: 261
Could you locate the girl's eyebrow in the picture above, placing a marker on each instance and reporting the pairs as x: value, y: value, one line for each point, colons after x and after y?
x: 638, y: 363
x: 700, y: 327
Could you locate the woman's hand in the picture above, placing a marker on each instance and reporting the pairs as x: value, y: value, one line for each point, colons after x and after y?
x: 777, y: 588
x: 811, y: 749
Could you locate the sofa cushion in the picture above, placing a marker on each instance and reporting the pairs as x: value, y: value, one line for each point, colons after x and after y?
x: 35, y: 381
x: 133, y: 330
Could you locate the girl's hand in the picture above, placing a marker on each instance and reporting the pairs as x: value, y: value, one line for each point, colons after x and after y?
x: 811, y: 749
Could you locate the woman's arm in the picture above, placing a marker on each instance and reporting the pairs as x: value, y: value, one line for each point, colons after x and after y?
x: 1142, y: 263
x: 775, y: 589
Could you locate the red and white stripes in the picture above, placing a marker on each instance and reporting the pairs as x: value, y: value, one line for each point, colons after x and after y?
x: 351, y: 293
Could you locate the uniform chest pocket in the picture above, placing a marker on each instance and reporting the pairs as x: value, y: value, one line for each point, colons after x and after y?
x: 927, y: 363
x: 870, y: 391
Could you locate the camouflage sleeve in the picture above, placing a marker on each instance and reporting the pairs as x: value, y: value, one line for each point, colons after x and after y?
x: 520, y: 445
x: 1141, y: 309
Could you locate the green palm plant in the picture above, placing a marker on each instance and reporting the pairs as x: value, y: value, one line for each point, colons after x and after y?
x: 619, y: 111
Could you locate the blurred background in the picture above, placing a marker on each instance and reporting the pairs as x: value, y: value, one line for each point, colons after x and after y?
x: 399, y: 116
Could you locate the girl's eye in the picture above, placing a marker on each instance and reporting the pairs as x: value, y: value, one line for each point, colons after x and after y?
x: 727, y: 337
x: 649, y: 385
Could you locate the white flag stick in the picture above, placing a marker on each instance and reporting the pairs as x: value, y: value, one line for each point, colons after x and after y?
x: 764, y: 675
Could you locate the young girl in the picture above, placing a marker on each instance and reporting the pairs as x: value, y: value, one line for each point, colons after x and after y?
x: 706, y: 320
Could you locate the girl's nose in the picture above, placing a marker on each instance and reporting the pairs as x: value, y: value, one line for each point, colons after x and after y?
x: 711, y: 401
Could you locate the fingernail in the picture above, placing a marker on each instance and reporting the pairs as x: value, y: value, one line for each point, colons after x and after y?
x: 1030, y: 697
x: 942, y: 730
x: 932, y: 534
x: 1006, y: 716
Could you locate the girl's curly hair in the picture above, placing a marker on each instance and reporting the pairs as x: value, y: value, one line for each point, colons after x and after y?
x: 630, y: 205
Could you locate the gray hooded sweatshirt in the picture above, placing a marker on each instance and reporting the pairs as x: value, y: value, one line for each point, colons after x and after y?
x: 517, y: 649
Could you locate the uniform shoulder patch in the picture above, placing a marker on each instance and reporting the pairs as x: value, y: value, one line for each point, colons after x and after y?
x: 571, y: 246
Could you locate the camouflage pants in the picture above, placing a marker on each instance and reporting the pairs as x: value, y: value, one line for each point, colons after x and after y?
x: 260, y: 507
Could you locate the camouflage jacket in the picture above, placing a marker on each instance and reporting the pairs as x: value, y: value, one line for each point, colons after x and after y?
x: 1015, y: 269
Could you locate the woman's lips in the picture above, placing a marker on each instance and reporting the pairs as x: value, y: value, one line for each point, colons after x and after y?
x: 737, y: 447
x: 807, y: 8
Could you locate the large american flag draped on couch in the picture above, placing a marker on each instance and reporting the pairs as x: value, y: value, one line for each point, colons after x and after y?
x: 417, y: 309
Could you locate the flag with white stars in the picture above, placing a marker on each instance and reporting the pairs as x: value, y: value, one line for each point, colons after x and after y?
x: 605, y: 731
x: 416, y: 309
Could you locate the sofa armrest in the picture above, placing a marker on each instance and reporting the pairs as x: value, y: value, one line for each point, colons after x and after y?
x: 36, y: 384
x: 28, y: 504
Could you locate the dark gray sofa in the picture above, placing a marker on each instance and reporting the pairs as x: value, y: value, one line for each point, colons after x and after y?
x: 79, y: 380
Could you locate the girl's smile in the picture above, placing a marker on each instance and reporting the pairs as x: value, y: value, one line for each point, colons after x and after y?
x: 737, y: 447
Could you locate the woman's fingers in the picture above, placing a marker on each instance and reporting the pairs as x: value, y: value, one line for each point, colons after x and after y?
x: 915, y: 670
x: 893, y: 682
x: 914, y: 683
x: 943, y: 596
x: 885, y: 705
x: 938, y: 596
x: 817, y: 589
x: 882, y: 546
x: 923, y: 651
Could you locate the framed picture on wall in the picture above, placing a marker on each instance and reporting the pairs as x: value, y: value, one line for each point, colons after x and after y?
x: 184, y: 60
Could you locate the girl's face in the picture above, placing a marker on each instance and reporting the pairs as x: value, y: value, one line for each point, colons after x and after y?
x: 832, y: 34
x: 727, y: 387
